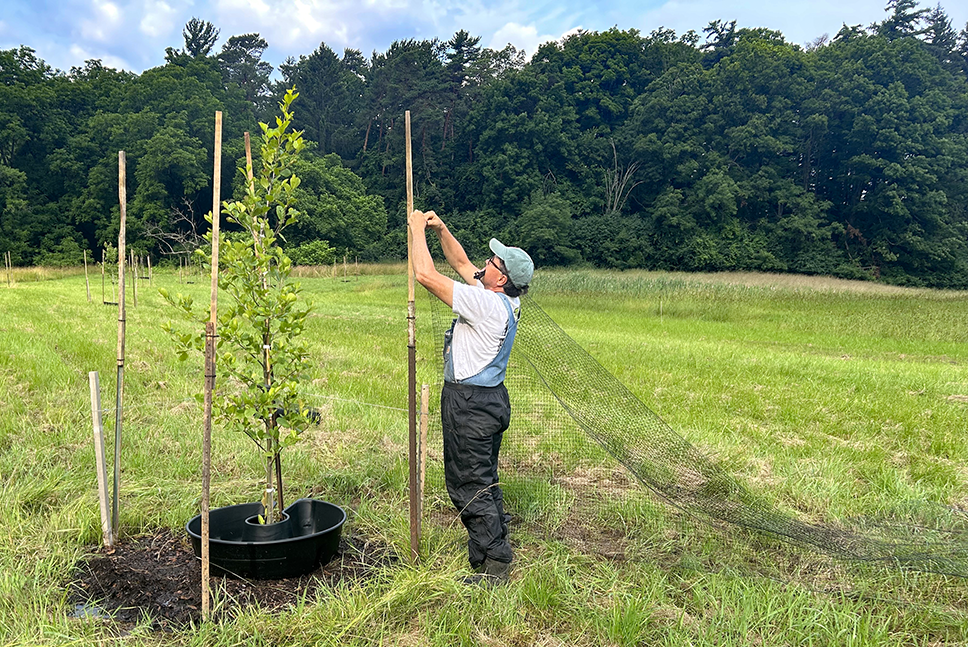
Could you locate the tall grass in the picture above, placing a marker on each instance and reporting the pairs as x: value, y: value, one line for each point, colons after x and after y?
x: 834, y: 399
x: 40, y: 273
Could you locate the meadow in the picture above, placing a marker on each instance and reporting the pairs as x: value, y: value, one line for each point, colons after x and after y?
x: 834, y: 400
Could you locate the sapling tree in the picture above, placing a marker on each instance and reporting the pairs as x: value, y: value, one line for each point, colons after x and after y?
x: 259, y: 348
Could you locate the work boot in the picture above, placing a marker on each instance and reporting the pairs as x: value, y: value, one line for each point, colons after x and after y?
x: 501, y: 571
x: 491, y: 573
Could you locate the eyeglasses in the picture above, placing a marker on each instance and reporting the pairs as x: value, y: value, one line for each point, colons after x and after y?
x: 497, y: 264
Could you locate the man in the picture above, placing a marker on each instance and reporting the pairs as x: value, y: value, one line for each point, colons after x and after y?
x: 474, y: 406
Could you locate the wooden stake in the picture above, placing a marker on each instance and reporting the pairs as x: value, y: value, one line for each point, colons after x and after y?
x: 119, y: 398
x: 210, y: 370
x: 102, y: 276
x: 412, y: 361
x: 8, y: 263
x: 87, y: 281
x: 102, y: 475
x: 134, y: 278
x: 424, y: 421
x: 149, y: 269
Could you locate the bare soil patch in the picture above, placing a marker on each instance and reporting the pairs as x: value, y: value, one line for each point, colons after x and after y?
x: 157, y: 576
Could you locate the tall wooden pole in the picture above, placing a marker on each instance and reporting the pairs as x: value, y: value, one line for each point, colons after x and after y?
x: 9, y: 264
x: 210, y: 369
x: 119, y: 399
x: 102, y: 277
x: 87, y: 281
x: 412, y: 362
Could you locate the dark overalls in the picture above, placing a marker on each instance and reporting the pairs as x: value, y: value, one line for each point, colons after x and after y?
x: 474, y: 414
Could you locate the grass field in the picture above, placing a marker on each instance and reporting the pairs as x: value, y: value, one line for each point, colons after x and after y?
x: 834, y: 400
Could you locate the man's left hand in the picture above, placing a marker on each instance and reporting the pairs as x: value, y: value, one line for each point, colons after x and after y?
x: 418, y: 221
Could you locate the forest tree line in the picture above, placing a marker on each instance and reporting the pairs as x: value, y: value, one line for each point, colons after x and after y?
x: 727, y: 150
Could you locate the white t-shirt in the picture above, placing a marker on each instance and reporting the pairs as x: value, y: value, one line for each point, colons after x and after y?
x: 482, y: 321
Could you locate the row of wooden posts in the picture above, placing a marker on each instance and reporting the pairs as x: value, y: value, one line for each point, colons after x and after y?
x: 109, y: 507
x: 135, y: 266
x: 139, y: 264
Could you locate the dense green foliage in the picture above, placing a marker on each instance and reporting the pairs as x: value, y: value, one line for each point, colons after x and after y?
x: 734, y: 151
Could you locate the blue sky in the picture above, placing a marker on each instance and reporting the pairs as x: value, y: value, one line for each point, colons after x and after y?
x: 132, y: 35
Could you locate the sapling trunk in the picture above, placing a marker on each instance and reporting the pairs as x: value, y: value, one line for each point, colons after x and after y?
x: 279, y: 480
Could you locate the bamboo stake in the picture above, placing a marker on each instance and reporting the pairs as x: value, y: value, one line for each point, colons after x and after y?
x: 412, y: 361
x: 102, y: 475
x: 119, y: 398
x: 134, y: 278
x: 87, y: 281
x: 424, y: 422
x: 210, y: 370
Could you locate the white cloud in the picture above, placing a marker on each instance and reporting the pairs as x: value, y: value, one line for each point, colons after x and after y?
x: 159, y: 19
x: 290, y: 25
x: 105, y: 19
x: 247, y: 11
x: 525, y: 37
x: 81, y: 54
x: 388, y: 5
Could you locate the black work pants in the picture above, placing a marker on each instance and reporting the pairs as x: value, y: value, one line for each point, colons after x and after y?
x: 474, y: 420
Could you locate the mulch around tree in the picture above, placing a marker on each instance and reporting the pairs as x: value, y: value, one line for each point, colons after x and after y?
x: 158, y: 576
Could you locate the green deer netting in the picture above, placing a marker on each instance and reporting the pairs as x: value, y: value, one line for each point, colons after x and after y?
x: 588, y: 462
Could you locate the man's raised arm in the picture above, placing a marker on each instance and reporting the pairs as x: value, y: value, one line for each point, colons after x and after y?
x: 453, y: 250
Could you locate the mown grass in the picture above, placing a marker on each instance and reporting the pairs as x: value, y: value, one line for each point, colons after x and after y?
x: 832, y: 399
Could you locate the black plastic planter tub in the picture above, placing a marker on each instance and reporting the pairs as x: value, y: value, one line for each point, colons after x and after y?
x: 308, y: 537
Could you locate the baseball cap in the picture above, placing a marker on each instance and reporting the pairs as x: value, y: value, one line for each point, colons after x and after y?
x: 518, y: 264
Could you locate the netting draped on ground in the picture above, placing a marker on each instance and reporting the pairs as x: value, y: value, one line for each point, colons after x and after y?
x: 547, y: 362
